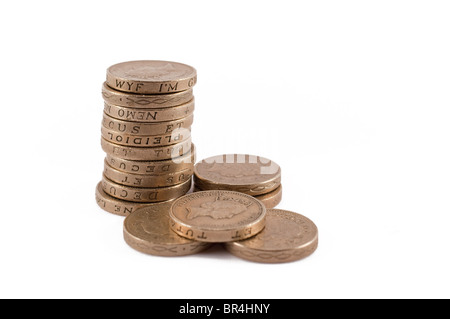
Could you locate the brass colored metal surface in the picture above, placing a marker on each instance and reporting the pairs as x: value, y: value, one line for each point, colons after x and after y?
x: 146, y: 153
x: 113, y: 205
x: 145, y: 140
x: 145, y: 101
x: 169, y: 166
x: 249, y: 174
x: 147, y: 180
x: 144, y: 194
x: 217, y: 216
x: 151, y: 77
x: 159, y: 128
x: 149, y: 115
x: 272, y: 199
x: 147, y: 230
x: 287, y: 237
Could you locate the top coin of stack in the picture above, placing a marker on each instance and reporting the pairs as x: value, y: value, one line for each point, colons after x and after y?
x: 148, y: 113
x: 249, y: 174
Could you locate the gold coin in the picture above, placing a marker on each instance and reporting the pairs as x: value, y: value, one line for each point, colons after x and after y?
x: 149, y: 115
x: 144, y: 194
x: 177, y: 164
x: 151, y: 77
x: 146, y: 180
x: 133, y: 128
x: 145, y: 101
x: 146, y: 140
x: 147, y: 230
x: 272, y: 199
x: 217, y: 216
x: 287, y: 237
x: 146, y: 153
x: 113, y: 205
x: 249, y: 174
x: 169, y: 166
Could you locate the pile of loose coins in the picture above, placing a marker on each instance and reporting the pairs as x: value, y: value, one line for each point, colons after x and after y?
x: 150, y: 165
x: 146, y: 134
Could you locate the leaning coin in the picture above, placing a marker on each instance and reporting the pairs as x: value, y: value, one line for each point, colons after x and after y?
x: 128, y: 127
x: 146, y: 153
x: 113, y: 205
x: 249, y: 174
x: 144, y: 194
x: 151, y: 77
x: 147, y: 230
x: 177, y: 164
x: 146, y: 180
x: 287, y: 237
x: 145, y: 101
x: 149, y: 115
x: 217, y: 216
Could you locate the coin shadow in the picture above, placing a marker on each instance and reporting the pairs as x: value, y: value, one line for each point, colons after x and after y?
x: 216, y: 251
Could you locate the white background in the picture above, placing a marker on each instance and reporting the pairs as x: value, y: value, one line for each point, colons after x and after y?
x: 350, y: 98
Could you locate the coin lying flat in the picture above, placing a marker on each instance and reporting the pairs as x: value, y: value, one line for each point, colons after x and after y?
x: 146, y: 153
x: 145, y: 101
x: 217, y: 216
x: 147, y: 230
x: 147, y: 180
x: 287, y: 237
x: 272, y: 199
x: 113, y: 205
x: 146, y: 140
x: 169, y: 166
x: 149, y: 115
x: 144, y: 194
x: 151, y: 77
x: 249, y: 174
x: 134, y: 128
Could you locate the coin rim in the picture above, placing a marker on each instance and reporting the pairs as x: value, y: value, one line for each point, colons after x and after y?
x: 191, y: 155
x: 239, y: 245
x: 132, y: 239
x: 138, y: 151
x: 109, y: 73
x: 148, y: 128
x: 208, y: 184
x: 166, y: 190
x: 118, y: 174
x: 258, y: 223
x: 107, y: 88
x: 99, y: 192
x: 275, y: 197
x: 150, y: 87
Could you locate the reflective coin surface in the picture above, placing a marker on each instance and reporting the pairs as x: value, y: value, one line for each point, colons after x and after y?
x: 272, y: 199
x: 287, y: 237
x: 147, y: 230
x: 113, y: 205
x: 249, y: 174
x: 151, y: 77
x: 145, y: 101
x: 145, y: 194
x: 146, y: 153
x: 217, y: 216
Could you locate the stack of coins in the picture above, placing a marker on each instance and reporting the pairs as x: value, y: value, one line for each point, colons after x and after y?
x: 193, y: 222
x: 248, y: 174
x: 146, y: 134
